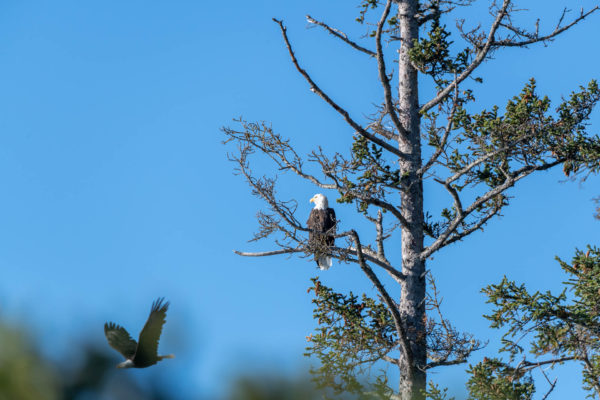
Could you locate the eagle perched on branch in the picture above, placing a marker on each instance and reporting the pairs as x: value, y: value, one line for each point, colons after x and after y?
x: 144, y: 353
x: 321, y: 223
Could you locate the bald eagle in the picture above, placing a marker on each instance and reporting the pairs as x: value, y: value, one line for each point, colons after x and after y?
x: 144, y: 353
x: 321, y: 222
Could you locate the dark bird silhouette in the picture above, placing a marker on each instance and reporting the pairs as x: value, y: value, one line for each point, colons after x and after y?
x: 144, y: 353
x: 321, y: 223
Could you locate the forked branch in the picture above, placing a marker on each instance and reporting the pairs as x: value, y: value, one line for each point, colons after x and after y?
x: 391, y: 305
x: 316, y: 89
x: 483, y: 48
x: 445, y: 238
x: 534, y: 37
x: 481, y: 56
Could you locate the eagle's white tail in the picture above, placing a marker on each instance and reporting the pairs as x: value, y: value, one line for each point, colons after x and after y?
x: 324, y: 262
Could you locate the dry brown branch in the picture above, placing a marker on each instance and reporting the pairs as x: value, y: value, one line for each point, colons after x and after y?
x: 340, y: 35
x: 534, y: 37
x: 552, y: 384
x: 391, y: 305
x: 446, y: 345
x: 484, y: 47
x: 316, y: 89
x: 442, y: 146
x: 478, y: 225
x: 268, y: 253
x: 263, y: 138
x: 481, y: 55
x: 443, y: 240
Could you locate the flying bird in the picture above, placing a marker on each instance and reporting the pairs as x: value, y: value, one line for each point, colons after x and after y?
x: 144, y: 353
x: 321, y: 223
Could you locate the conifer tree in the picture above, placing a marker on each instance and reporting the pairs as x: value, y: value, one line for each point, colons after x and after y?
x: 475, y: 156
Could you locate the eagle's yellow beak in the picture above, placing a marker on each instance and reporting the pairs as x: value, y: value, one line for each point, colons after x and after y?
x: 313, y: 199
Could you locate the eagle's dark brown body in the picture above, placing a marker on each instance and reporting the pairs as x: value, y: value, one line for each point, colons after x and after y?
x: 321, y: 237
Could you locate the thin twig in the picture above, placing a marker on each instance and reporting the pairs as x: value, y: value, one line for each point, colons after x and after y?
x: 552, y: 384
x: 340, y: 35
x: 535, y: 38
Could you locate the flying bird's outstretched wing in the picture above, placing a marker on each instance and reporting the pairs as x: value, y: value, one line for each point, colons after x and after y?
x: 148, y: 346
x: 120, y: 340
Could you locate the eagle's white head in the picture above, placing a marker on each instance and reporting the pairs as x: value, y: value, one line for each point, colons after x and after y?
x: 320, y: 201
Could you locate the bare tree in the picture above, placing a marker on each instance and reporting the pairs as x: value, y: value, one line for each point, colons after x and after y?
x: 475, y: 157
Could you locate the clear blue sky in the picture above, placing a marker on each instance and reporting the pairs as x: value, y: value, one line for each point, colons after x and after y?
x: 116, y: 188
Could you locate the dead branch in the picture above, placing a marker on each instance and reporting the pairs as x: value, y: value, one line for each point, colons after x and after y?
x: 391, y: 305
x: 442, y: 146
x: 315, y: 88
x: 385, y: 81
x: 534, y: 37
x: 268, y: 253
x: 482, y: 221
x: 483, y: 48
x: 340, y: 35
x: 446, y: 345
x: 271, y: 144
x: 516, y: 176
x: 481, y: 55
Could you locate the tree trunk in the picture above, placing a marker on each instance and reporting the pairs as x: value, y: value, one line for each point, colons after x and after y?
x: 412, y: 301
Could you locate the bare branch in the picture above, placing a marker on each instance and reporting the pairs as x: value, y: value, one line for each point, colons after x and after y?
x: 481, y: 55
x: 314, y: 88
x: 378, y: 128
x: 528, y: 365
x: 268, y: 253
x: 386, y: 206
x: 391, y: 305
x: 552, y: 384
x: 444, y: 363
x: 445, y: 341
x: 263, y: 138
x: 340, y: 35
x: 442, y: 241
x: 459, y: 235
x: 447, y: 130
x: 335, y: 252
x: 385, y: 82
x: 491, y: 43
x: 454, y: 193
x: 265, y: 189
x: 534, y: 37
x: 489, y: 155
x: 389, y: 359
x: 584, y: 355
x: 371, y: 257
x: 433, y: 9
x: 379, y: 239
